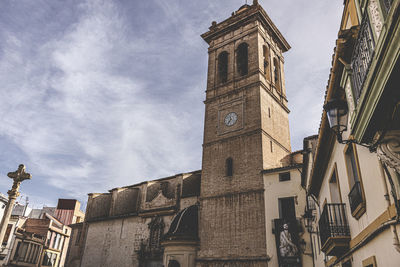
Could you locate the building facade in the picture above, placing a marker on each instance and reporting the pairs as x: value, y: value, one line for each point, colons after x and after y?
x: 246, y: 206
x: 351, y: 169
x: 40, y: 242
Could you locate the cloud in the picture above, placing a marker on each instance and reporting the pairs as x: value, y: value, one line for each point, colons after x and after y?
x: 100, y: 94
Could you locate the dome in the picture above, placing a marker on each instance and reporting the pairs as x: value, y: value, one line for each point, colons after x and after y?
x: 185, y: 225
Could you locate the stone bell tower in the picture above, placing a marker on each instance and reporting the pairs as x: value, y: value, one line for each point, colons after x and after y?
x: 246, y: 130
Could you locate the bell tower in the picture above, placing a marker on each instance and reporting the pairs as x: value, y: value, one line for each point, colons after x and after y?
x: 246, y: 130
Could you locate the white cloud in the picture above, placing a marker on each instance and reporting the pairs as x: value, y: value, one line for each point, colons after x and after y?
x: 114, y: 97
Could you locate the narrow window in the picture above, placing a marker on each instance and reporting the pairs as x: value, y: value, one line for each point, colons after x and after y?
x: 269, y: 112
x: 277, y: 78
x: 284, y: 176
x: 242, y: 59
x: 266, y: 62
x: 7, y: 234
x: 222, y: 67
x: 334, y: 188
x: 287, y: 210
x: 356, y: 195
x: 270, y: 143
x: 229, y: 167
x: 16, y: 255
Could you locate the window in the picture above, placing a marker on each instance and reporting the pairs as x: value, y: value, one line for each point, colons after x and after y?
x: 16, y: 254
x: 156, y: 227
x: 270, y: 143
x: 277, y: 75
x: 269, y: 112
x: 78, y: 237
x: 222, y: 67
x: 346, y: 264
x: 287, y: 210
x: 242, y: 59
x: 334, y: 187
x: 7, y: 234
x: 173, y: 263
x: 356, y: 195
x: 369, y: 262
x: 49, y: 259
x: 229, y: 167
x: 284, y: 176
x: 266, y: 62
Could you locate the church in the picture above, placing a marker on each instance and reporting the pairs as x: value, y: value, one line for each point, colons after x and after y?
x: 245, y: 207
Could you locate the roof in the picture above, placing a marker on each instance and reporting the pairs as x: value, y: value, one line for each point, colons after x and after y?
x: 184, y: 226
x: 326, y: 138
x: 284, y: 168
x: 244, y: 14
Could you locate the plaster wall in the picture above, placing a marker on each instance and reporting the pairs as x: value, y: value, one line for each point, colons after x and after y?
x: 274, y: 189
x: 371, y: 176
x: 372, y: 182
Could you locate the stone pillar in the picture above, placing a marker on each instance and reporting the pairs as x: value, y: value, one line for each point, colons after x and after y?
x: 18, y: 176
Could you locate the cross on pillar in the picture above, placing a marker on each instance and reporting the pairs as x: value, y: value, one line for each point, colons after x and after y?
x: 18, y: 176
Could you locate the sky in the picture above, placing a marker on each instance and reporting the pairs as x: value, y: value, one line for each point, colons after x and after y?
x: 100, y: 94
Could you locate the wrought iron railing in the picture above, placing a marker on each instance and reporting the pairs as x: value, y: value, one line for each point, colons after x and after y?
x: 387, y: 4
x: 362, y: 56
x: 355, y: 196
x: 333, y: 222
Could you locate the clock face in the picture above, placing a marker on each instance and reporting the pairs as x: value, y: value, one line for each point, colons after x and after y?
x: 230, y: 119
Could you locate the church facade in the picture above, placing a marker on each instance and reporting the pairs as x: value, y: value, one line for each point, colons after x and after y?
x: 246, y: 206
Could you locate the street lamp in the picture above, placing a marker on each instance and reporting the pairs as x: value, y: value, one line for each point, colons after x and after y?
x: 337, y: 112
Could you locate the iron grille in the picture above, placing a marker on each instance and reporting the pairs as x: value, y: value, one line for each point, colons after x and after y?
x: 362, y: 56
x: 387, y: 4
x: 355, y: 196
x: 333, y: 222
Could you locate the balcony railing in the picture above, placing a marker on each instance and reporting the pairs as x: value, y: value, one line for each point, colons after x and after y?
x: 387, y: 4
x: 334, y: 229
x: 362, y: 57
x: 355, y: 197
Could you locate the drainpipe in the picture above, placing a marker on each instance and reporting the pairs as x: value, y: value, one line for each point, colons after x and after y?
x: 396, y: 242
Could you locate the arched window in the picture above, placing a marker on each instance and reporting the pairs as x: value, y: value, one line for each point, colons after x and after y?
x: 242, y: 59
x: 222, y: 67
x: 156, y: 227
x: 277, y: 75
x: 229, y: 167
x: 266, y: 62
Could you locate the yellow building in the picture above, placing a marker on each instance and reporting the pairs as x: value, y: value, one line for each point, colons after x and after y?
x: 351, y: 171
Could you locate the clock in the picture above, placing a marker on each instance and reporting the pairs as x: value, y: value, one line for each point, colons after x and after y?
x: 230, y: 119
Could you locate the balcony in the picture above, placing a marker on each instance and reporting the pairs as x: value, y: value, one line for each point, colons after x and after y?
x: 334, y: 229
x: 362, y: 57
x: 356, y: 200
x: 387, y: 4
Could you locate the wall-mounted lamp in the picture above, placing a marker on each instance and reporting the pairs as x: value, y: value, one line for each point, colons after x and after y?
x: 337, y: 112
x: 338, y: 115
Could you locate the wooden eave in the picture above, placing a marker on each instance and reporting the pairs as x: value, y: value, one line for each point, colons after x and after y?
x: 326, y: 138
x: 255, y: 12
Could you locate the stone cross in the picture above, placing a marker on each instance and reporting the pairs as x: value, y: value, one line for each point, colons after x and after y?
x: 18, y: 176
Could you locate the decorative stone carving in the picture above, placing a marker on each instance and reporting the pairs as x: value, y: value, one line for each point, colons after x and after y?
x: 389, y: 150
x: 376, y: 20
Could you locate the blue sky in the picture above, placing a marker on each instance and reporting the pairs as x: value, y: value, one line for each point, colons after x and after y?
x: 100, y: 94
